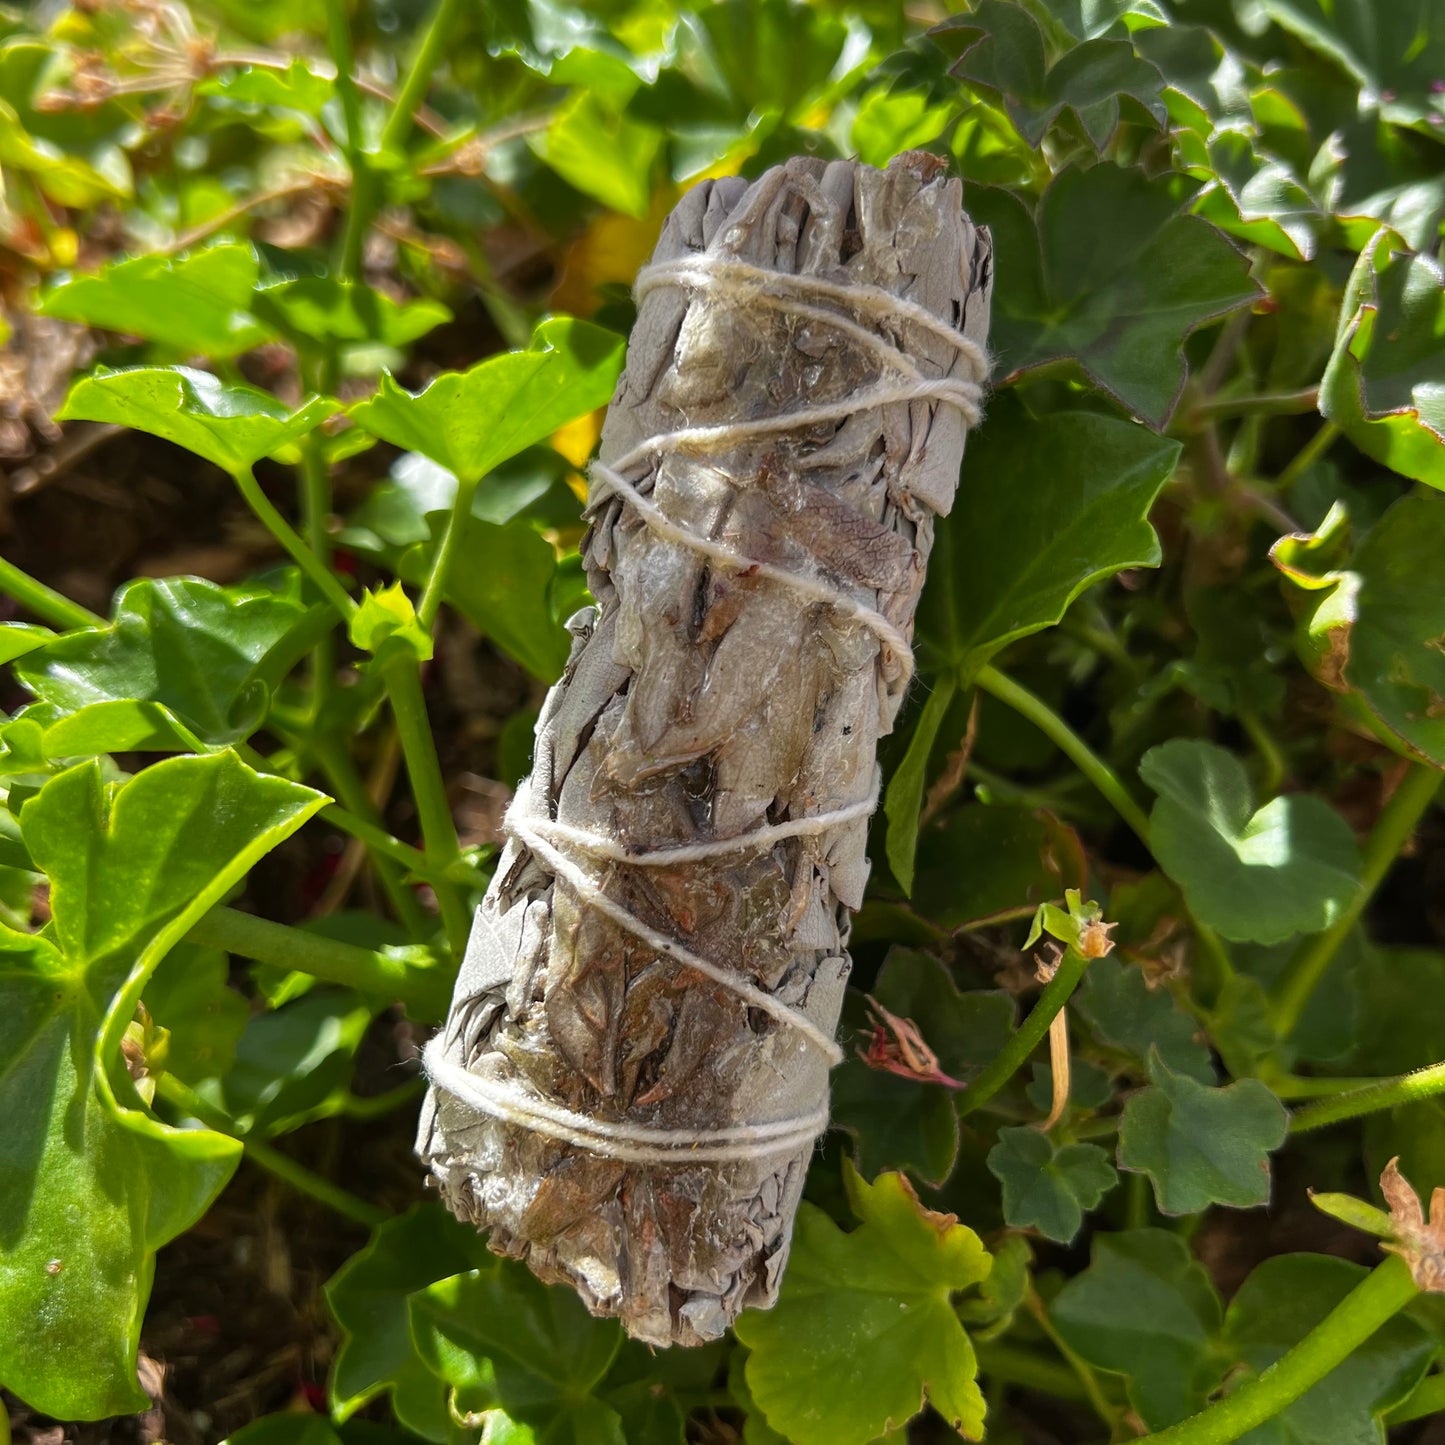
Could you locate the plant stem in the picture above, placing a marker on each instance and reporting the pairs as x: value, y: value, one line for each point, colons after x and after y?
x: 324, y: 958
x: 1387, y: 1094
x: 1273, y: 403
x: 290, y: 539
x: 418, y: 78
x: 1307, y: 456
x: 1053, y: 727
x: 412, y: 859
x: 1029, y: 1035
x: 1012, y: 1365
x: 1083, y: 1372
x: 283, y: 1166
x: 1386, y: 1290
x: 1392, y: 831
x: 436, y: 584
x: 1427, y: 1398
x: 438, y: 831
x: 45, y: 602
x: 343, y: 779
x: 358, y: 215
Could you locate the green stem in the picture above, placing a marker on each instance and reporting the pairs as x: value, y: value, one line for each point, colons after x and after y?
x: 290, y: 539
x: 1387, y: 1094
x: 1307, y: 456
x: 436, y: 584
x: 1298, y: 1086
x: 324, y: 958
x: 438, y: 831
x: 1012, y: 1365
x: 1428, y: 1398
x: 358, y: 214
x: 418, y: 78
x: 1271, y: 403
x: 341, y: 776
x: 1386, y: 1290
x: 315, y: 511
x: 1392, y: 831
x: 378, y: 1106
x: 272, y: 1160
x: 1029, y: 1035
x: 1083, y: 1371
x: 45, y: 602
x: 412, y: 859
x: 1058, y: 732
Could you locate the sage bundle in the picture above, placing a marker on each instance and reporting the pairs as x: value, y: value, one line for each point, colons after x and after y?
x: 634, y: 1072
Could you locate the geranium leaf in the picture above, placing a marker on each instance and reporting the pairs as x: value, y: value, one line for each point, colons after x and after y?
x: 202, y: 659
x: 532, y: 1347
x: 1107, y: 273
x: 603, y: 153
x: 1125, y: 1013
x: 1200, y: 1145
x: 95, y: 1183
x: 1281, y: 1301
x: 863, y: 1331
x: 188, y: 995
x: 318, y: 312
x: 1370, y: 630
x: 231, y: 425
x: 1145, y: 1309
x: 368, y: 1297
x: 469, y: 422
x: 904, y: 798
x: 1385, y: 384
x: 1005, y: 56
x: 18, y: 638
x: 1048, y: 1187
x: 1253, y: 874
x: 1008, y: 561
x: 196, y: 305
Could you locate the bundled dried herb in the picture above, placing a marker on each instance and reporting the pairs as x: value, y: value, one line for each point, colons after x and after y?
x: 629, y: 1087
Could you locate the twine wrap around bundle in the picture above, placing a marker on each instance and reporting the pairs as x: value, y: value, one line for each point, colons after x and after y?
x: 634, y: 1071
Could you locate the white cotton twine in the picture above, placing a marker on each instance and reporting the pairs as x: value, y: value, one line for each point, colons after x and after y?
x: 737, y: 281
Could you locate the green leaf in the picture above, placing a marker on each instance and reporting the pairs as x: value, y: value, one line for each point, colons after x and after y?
x: 472, y: 421
x: 1385, y: 383
x: 1257, y: 197
x: 863, y: 1331
x: 1289, y: 867
x: 1008, y: 561
x: 986, y: 859
x: 387, y: 619
x: 603, y: 153
x: 904, y: 799
x: 1005, y: 56
x: 1281, y: 1301
x: 203, y: 658
x: 1371, y: 629
x: 297, y: 88
x: 95, y: 1184
x: 188, y: 995
x: 504, y: 590
x: 1145, y: 1309
x: 316, y: 313
x: 18, y: 638
x: 532, y: 1346
x: 1048, y: 1187
x: 231, y: 425
x: 195, y: 305
x: 1199, y: 1145
x: 294, y: 1063
x: 1125, y: 1013
x: 1396, y: 51
x: 1106, y: 273
x: 901, y: 1123
x: 368, y: 1297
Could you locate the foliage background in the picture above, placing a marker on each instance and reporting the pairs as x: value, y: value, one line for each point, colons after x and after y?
x: 277, y: 630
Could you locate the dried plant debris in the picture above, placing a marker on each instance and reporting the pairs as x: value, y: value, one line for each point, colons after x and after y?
x: 1419, y: 1240
x: 634, y: 1073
